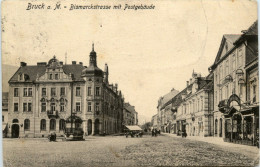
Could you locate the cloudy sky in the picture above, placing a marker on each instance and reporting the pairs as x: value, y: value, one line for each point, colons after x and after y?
x: 148, y: 52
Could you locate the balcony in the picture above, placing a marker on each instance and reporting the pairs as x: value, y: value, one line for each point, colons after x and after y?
x: 52, y: 114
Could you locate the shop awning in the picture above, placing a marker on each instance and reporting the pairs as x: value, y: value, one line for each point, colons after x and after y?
x: 134, y: 127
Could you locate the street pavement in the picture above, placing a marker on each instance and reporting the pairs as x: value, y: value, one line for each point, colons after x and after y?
x: 164, y: 150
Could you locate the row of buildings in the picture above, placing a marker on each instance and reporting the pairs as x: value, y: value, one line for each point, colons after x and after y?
x: 43, y: 97
x: 225, y: 103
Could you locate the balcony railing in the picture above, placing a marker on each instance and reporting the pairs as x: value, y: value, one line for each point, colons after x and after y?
x: 53, y: 114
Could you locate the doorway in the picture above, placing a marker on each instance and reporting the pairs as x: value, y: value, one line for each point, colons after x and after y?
x: 15, y: 130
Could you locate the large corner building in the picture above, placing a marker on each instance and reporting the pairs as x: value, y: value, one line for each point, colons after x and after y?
x: 43, y: 96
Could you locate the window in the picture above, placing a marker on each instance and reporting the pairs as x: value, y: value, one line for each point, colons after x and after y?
x: 3, y: 118
x: 43, y: 91
x: 97, y: 107
x: 53, y: 91
x: 21, y: 77
x: 24, y: 107
x: 15, y: 106
x: 62, y: 124
x: 97, y: 91
x: 62, y: 104
x: 254, y: 93
x: 201, y: 104
x: 26, y: 124
x: 50, y: 76
x: 56, y: 76
x: 53, y: 107
x: 29, y: 106
x: 16, y: 92
x: 89, y: 91
x: 89, y: 106
x: 240, y: 57
x: 227, y: 67
x: 29, y: 91
x: 25, y: 92
x: 52, y: 124
x: 220, y: 72
x: 43, y: 107
x: 77, y: 91
x: 77, y: 107
x: 234, y: 62
x: 220, y: 94
x: 62, y: 91
x: 43, y: 124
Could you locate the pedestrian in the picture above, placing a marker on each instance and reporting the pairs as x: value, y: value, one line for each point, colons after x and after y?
x: 152, y: 132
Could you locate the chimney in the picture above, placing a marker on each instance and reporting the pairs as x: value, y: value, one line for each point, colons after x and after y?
x: 41, y: 63
x: 187, y: 83
x: 81, y: 63
x: 61, y: 62
x: 116, y: 86
x: 74, y: 62
x: 22, y: 64
x: 172, y: 89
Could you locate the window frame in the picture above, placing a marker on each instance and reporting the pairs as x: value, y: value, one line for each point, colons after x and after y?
x: 77, y: 91
x: 16, y: 92
x: 16, y: 106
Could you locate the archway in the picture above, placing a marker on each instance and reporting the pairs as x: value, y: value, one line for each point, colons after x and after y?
x: 15, y: 130
x: 96, y: 131
x: 89, y: 127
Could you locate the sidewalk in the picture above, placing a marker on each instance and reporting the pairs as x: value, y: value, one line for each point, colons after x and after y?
x: 251, y: 151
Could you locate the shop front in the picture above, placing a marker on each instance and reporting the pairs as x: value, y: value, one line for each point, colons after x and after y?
x: 241, y: 121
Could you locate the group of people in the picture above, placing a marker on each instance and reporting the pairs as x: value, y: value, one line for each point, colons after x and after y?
x: 155, y: 132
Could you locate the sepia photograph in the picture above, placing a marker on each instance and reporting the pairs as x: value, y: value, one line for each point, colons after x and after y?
x: 129, y: 83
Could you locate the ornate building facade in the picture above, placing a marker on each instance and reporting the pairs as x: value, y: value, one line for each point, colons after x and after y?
x: 43, y: 96
x: 236, y: 83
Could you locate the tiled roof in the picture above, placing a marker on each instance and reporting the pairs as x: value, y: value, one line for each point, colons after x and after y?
x: 74, y: 69
x: 32, y: 72
x: 232, y: 37
x: 168, y: 97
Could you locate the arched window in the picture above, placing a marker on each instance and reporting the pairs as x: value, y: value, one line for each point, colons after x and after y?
x: 62, y: 124
x: 26, y: 124
x: 43, y: 124
x: 52, y: 124
x: 15, y: 121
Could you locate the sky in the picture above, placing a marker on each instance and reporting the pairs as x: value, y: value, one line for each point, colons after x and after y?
x: 148, y: 52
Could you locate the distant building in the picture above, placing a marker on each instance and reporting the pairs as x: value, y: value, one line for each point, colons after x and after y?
x: 130, y: 115
x: 195, y: 112
x: 236, y: 88
x: 154, y: 121
x: 164, y: 111
x: 43, y: 96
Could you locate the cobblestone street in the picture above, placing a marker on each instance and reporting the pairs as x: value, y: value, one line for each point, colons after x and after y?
x: 120, y: 151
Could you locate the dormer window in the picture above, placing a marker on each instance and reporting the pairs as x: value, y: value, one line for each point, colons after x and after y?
x: 20, y: 77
